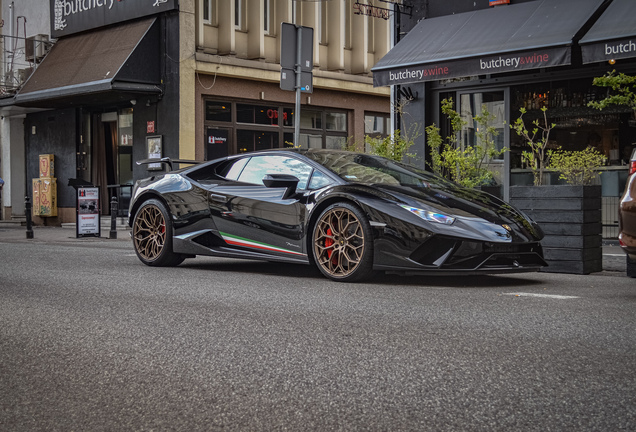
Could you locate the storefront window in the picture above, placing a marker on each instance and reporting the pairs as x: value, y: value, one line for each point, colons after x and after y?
x: 288, y: 117
x: 377, y: 125
x: 576, y: 126
x: 336, y: 121
x: 250, y: 140
x: 310, y: 141
x: 252, y: 127
x: 218, y: 111
x: 256, y: 114
x: 310, y: 119
x: 335, y: 143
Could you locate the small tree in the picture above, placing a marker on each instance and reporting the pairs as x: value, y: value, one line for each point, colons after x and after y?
x: 537, y: 140
x: 624, y: 90
x: 577, y: 167
x: 465, y: 166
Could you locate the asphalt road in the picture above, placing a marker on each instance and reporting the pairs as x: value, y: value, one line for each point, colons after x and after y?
x: 92, y: 340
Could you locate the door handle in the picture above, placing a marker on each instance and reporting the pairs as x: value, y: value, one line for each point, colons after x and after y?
x: 218, y: 198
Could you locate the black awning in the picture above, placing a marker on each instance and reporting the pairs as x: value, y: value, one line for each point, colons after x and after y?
x: 508, y: 38
x: 106, y: 65
x: 613, y: 36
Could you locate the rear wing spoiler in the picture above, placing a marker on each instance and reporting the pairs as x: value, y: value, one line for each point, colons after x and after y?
x: 168, y: 161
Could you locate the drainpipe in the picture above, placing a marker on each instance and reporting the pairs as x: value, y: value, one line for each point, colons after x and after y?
x: 10, y: 63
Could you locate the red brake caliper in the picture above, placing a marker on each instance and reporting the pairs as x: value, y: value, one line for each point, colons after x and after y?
x: 329, y: 242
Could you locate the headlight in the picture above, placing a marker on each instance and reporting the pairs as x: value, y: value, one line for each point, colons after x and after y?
x: 429, y: 215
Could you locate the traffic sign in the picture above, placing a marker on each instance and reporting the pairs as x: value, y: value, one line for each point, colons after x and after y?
x: 288, y: 47
x: 288, y: 80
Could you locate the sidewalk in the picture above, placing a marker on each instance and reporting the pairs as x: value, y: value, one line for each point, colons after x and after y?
x: 10, y: 231
x: 613, y: 256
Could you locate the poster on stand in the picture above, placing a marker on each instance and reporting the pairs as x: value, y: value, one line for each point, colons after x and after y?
x: 88, y: 221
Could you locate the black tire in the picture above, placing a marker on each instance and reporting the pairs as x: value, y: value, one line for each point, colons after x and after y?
x: 342, y: 243
x: 152, y: 235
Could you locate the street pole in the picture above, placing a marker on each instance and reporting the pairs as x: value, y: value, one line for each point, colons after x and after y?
x: 298, y: 73
x: 27, y: 211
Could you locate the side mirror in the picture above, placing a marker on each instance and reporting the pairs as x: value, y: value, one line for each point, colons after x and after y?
x: 282, y: 181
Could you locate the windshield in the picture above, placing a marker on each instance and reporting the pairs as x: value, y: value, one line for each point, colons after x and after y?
x: 368, y: 169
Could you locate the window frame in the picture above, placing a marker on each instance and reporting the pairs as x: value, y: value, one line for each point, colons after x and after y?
x: 209, y: 19
x: 239, y: 15
x: 323, y: 33
x: 386, y: 122
x: 267, y: 18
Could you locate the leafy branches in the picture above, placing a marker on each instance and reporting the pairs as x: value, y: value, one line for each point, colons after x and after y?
x: 468, y: 165
x: 624, y: 87
x: 537, y: 140
x: 394, y: 146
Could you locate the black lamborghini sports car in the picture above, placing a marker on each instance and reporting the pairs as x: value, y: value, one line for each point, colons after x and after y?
x: 350, y: 214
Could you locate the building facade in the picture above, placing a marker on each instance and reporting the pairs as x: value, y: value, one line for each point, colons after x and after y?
x: 231, y: 99
x: 514, y: 54
x: 194, y: 79
x: 91, y: 98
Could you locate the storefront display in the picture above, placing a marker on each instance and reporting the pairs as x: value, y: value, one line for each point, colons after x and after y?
x: 577, y: 125
x: 236, y: 127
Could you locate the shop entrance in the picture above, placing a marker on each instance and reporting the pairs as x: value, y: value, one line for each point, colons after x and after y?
x: 104, y: 156
x: 470, y: 104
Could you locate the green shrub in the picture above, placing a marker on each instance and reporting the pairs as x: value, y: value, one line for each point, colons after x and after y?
x: 576, y: 167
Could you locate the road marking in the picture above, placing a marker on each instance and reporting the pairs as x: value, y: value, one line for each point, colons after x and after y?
x: 554, y: 296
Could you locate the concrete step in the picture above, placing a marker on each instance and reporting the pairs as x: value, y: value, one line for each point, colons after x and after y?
x: 13, y: 222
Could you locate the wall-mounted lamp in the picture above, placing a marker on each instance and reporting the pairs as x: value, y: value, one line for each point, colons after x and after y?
x: 133, y: 102
x: 612, y: 61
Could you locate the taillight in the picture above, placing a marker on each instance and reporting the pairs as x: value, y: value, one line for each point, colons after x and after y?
x: 632, y: 167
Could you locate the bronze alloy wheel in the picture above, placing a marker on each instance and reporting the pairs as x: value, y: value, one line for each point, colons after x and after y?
x: 339, y: 242
x: 149, y: 232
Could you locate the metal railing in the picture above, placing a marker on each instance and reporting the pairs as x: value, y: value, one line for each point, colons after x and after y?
x: 609, y: 216
x: 20, y: 57
x: 122, y: 193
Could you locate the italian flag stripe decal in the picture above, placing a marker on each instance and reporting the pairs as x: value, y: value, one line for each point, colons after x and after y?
x: 241, y: 241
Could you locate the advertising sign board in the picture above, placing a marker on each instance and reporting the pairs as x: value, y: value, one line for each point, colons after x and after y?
x: 73, y: 16
x: 88, y: 221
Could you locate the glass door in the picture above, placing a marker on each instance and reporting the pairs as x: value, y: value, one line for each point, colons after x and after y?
x: 124, y: 147
x: 485, y: 116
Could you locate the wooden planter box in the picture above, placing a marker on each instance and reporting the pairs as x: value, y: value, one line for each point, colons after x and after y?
x: 570, y: 216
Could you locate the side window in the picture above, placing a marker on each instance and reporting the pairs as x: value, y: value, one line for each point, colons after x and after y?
x: 232, y: 170
x: 259, y: 166
x: 318, y: 180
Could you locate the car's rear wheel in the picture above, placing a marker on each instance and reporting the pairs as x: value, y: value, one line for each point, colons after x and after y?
x: 152, y: 235
x: 343, y: 244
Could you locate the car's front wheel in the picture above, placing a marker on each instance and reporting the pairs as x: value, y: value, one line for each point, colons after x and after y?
x: 343, y: 243
x: 152, y: 235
